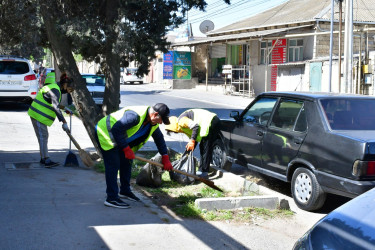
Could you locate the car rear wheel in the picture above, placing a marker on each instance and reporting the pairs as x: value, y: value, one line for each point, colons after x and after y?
x: 306, y: 190
x: 219, y: 156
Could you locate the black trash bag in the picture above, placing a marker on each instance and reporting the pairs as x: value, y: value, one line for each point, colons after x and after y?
x: 187, y: 164
x: 150, y: 175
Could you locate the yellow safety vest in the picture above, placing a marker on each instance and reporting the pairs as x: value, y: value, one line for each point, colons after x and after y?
x: 204, y: 119
x: 40, y: 109
x: 105, y: 125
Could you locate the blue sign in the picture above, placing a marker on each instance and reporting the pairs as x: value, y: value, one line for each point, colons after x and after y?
x: 168, y: 65
x: 181, y: 58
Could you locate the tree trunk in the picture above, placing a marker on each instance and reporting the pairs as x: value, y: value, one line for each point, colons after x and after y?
x: 61, y: 49
x: 112, y: 88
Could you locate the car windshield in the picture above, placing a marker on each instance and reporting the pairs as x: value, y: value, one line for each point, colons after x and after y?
x: 350, y: 114
x: 131, y: 71
x: 13, y: 68
x: 94, y: 80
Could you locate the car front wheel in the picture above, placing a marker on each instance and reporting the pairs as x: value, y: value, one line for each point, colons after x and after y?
x: 219, y: 156
x: 306, y: 190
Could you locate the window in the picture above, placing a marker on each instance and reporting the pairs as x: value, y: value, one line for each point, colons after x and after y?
x: 265, y: 48
x: 13, y: 68
x: 295, y: 50
x: 286, y: 115
x: 349, y: 114
x: 260, y: 111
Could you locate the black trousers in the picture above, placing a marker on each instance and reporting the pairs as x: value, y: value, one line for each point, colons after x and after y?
x: 206, y: 145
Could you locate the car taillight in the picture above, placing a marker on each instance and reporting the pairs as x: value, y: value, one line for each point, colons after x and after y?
x: 364, y: 168
x: 128, y: 74
x: 30, y: 77
x: 370, y: 168
x: 33, y: 93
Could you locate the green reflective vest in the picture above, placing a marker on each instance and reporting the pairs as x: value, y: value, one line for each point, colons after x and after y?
x: 40, y: 109
x: 105, y: 125
x: 204, y: 119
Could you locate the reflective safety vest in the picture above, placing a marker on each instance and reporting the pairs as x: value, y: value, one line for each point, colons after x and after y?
x: 104, y: 127
x: 204, y: 119
x: 40, y: 109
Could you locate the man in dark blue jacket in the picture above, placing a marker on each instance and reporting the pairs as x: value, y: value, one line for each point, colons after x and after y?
x: 122, y: 133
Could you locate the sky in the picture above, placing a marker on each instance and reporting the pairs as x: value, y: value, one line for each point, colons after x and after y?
x: 222, y: 14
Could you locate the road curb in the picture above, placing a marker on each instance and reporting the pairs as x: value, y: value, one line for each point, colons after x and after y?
x: 266, y: 201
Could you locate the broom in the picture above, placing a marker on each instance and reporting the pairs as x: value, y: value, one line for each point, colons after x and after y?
x: 85, y: 157
x: 71, y: 159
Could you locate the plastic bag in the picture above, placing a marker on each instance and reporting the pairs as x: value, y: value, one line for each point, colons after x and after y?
x: 187, y: 164
x: 150, y: 175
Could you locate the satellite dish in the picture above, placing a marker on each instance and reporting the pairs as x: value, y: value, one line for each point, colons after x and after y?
x: 206, y: 26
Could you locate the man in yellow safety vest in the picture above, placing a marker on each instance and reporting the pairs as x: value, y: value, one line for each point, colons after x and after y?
x: 45, y: 108
x: 122, y: 133
x: 200, y: 126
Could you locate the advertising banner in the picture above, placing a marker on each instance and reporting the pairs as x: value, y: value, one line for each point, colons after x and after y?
x: 181, y: 58
x: 182, y: 72
x: 278, y: 57
x: 168, y: 65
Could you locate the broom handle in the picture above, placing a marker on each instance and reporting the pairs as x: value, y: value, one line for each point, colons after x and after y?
x: 70, y: 140
x: 73, y: 140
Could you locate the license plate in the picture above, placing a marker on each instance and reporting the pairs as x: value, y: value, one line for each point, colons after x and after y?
x: 10, y: 83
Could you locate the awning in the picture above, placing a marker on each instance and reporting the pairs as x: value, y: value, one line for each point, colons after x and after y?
x: 235, y: 37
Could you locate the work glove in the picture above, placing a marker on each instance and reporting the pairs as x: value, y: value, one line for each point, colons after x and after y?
x: 65, y: 127
x: 129, y: 154
x: 191, y: 145
x: 166, y: 163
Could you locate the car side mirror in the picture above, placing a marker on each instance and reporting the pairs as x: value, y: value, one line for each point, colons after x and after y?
x: 235, y: 115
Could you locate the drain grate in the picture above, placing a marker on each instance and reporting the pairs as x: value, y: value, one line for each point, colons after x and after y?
x: 22, y: 165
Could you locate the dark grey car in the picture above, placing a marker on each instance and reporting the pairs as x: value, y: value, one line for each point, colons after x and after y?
x: 320, y: 142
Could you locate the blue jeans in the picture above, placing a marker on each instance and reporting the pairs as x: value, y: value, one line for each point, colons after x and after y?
x: 114, y: 160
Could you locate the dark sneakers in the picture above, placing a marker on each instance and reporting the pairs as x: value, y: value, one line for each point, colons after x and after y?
x: 129, y: 196
x: 48, y: 163
x: 118, y: 203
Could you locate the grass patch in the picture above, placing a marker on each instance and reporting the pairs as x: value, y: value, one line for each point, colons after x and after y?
x: 181, y: 198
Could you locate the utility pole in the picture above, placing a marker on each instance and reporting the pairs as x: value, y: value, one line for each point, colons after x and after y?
x: 331, y: 46
x: 348, y: 46
x: 340, y: 40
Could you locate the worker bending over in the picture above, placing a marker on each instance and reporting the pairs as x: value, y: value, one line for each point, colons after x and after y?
x: 200, y: 126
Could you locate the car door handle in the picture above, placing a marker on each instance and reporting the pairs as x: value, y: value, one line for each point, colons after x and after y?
x: 260, y: 133
x: 298, y: 140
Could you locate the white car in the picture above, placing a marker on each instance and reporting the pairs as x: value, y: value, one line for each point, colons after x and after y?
x: 18, y: 81
x: 96, y: 86
x: 130, y: 76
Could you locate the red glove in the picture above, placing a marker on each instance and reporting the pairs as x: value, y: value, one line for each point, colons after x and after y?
x: 191, y: 145
x: 129, y: 154
x: 166, y: 163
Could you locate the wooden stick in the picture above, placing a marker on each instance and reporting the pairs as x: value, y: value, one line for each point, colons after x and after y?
x: 205, y: 181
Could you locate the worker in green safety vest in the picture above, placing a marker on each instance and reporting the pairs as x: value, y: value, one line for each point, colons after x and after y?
x: 45, y: 108
x: 122, y: 133
x: 200, y: 126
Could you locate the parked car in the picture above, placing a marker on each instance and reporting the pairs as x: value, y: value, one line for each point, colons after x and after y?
x: 96, y: 86
x: 319, y: 142
x: 17, y: 79
x: 130, y: 76
x: 350, y: 226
